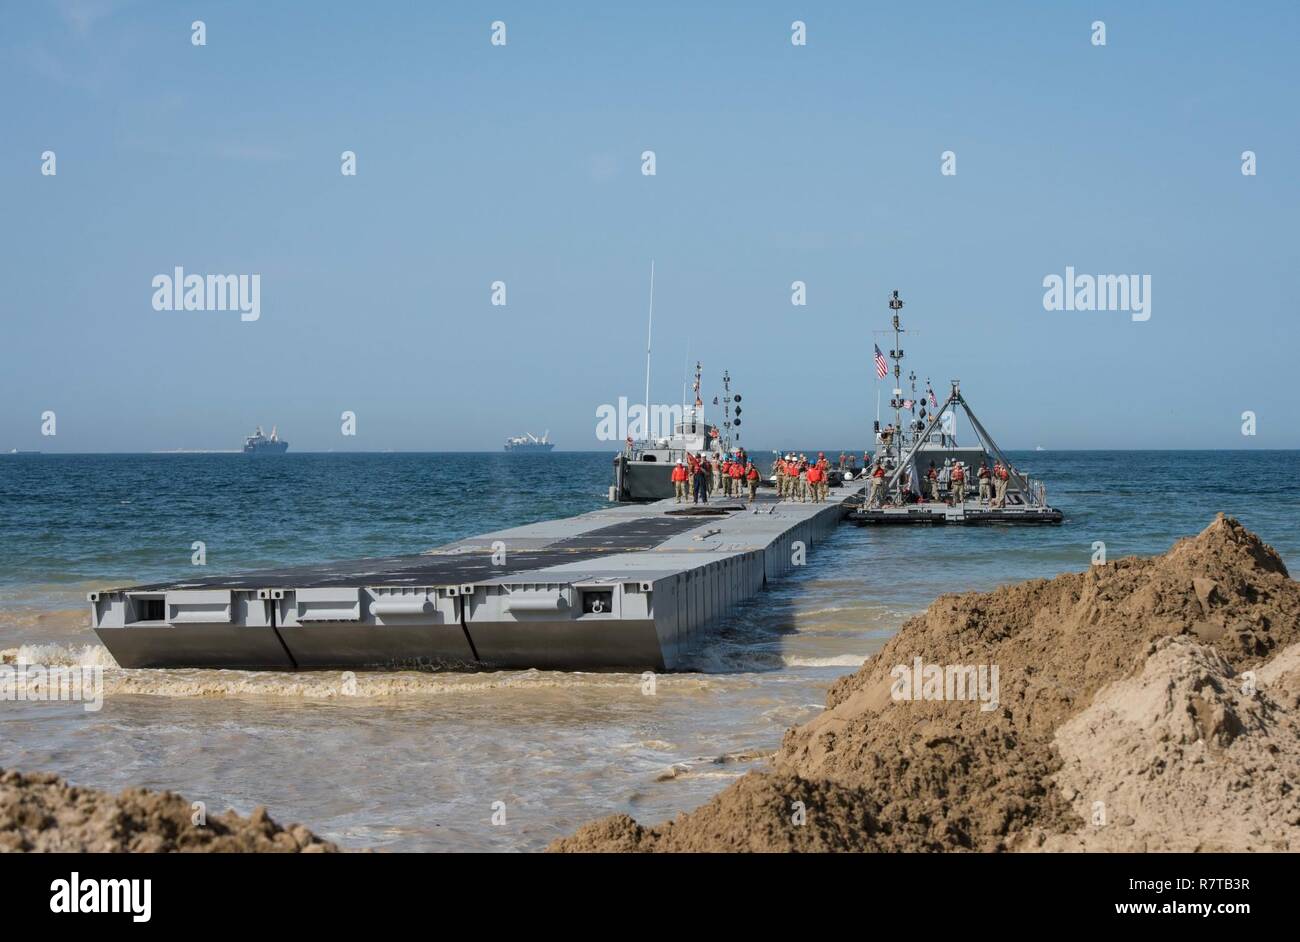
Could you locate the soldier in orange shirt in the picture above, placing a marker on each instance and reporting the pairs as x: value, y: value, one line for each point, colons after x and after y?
x: 679, y: 481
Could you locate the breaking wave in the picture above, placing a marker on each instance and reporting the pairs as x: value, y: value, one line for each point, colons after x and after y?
x: 838, y: 660
x: 322, y: 685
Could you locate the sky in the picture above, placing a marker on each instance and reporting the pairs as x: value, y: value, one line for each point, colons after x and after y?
x: 521, y: 163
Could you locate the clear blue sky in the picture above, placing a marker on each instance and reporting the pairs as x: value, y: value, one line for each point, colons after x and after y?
x: 522, y: 163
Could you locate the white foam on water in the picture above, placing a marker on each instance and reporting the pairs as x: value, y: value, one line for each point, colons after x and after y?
x: 838, y: 660
x: 59, y: 655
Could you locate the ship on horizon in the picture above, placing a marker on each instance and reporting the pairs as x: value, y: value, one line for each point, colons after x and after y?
x: 260, y: 444
x: 530, y: 442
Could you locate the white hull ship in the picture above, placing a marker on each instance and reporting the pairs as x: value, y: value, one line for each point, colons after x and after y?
x: 529, y: 442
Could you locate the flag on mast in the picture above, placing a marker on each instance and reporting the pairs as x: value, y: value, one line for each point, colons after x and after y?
x: 882, y: 368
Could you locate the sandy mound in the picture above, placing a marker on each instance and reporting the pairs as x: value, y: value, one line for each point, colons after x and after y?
x: 1186, y: 756
x: 1022, y: 769
x: 41, y: 812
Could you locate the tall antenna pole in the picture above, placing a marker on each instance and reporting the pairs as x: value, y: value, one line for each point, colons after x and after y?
x: 648, y: 333
x: 896, y: 305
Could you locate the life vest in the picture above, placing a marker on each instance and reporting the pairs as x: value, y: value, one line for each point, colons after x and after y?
x: 734, y: 471
x: 1002, y: 473
x: 814, y: 474
x: 958, y: 474
x: 752, y: 475
x: 984, y: 472
x: 878, y: 473
x: 934, y: 474
x: 679, y: 472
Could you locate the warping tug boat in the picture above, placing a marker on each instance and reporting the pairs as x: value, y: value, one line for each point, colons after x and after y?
x: 907, y: 452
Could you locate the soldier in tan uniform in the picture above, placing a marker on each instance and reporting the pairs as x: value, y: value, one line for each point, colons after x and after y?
x: 958, y: 484
x: 1000, y: 480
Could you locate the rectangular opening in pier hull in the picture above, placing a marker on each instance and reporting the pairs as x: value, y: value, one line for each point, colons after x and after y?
x: 149, y: 609
x: 597, y: 601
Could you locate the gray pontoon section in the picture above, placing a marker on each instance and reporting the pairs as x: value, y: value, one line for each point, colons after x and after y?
x: 630, y: 587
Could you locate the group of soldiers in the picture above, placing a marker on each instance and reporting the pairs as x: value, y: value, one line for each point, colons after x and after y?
x: 951, y: 478
x: 697, y: 476
x: 797, y: 478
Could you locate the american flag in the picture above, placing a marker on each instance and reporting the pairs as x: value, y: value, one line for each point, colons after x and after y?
x: 881, y: 367
x: 908, y: 403
x: 934, y: 403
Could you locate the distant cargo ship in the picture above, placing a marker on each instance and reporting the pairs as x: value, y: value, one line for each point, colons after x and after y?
x: 259, y: 444
x: 529, y: 442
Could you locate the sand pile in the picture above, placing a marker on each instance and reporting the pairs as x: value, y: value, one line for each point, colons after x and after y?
x: 1120, y: 716
x: 41, y: 812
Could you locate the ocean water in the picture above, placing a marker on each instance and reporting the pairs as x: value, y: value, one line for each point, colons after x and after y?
x: 418, y: 761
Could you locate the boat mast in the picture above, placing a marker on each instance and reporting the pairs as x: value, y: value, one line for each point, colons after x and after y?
x: 699, y: 403
x: 648, y: 332
x: 896, y: 305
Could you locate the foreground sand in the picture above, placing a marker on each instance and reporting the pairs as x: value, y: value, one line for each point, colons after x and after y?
x: 1148, y: 704
x: 41, y: 812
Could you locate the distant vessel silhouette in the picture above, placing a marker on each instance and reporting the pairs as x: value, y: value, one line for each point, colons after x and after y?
x: 260, y: 444
x: 529, y: 442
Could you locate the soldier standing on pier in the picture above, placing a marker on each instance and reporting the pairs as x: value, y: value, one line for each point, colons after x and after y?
x: 679, y: 481
x: 751, y: 477
x: 1000, y: 478
x: 823, y: 480
x: 877, y: 484
x: 984, y: 482
x: 958, y: 484
x: 932, y: 480
x: 700, y: 479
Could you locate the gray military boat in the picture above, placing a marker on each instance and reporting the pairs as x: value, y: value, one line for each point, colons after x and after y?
x: 643, y: 469
x: 919, y: 461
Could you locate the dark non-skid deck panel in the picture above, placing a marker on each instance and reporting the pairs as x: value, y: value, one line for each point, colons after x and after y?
x: 628, y: 536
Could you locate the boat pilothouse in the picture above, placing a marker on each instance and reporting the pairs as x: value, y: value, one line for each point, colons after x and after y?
x: 924, y: 469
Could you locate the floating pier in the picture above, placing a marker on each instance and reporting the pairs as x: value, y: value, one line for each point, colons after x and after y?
x: 629, y: 587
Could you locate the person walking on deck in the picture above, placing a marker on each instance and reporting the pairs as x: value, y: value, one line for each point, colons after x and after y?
x: 751, y: 478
